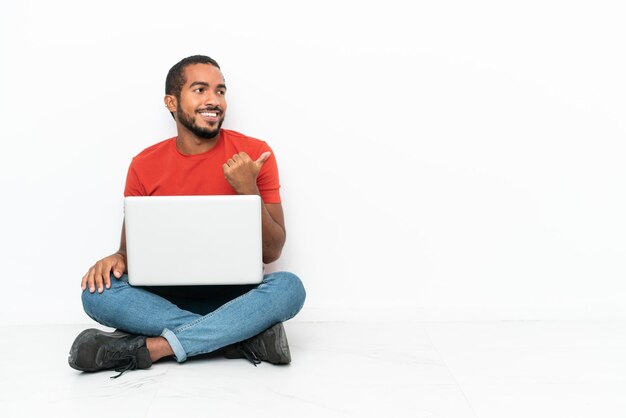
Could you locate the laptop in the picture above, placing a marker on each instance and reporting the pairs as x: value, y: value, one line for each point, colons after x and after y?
x: 193, y: 240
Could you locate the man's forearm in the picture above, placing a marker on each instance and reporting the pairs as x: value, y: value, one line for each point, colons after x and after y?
x: 273, y: 237
x: 122, y: 249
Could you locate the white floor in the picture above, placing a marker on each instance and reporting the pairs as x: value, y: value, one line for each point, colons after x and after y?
x: 476, y: 369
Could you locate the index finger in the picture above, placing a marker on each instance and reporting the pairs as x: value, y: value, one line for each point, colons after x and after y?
x: 244, y: 156
x: 83, y: 282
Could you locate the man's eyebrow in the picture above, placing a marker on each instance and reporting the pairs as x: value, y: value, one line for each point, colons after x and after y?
x: 199, y: 83
x: 205, y: 84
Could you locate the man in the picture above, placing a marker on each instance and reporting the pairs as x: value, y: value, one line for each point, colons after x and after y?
x: 153, y: 323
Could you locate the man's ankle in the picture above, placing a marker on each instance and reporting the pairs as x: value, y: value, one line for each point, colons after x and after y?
x: 158, y: 347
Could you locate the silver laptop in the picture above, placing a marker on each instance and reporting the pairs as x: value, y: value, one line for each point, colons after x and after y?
x: 193, y: 240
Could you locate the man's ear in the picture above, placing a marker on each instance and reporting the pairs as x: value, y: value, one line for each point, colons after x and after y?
x: 170, y: 103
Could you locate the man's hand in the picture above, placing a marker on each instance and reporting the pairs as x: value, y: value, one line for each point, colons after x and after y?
x: 99, y: 275
x: 241, y: 172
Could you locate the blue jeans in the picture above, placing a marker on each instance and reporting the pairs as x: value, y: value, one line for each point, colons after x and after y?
x: 197, y: 319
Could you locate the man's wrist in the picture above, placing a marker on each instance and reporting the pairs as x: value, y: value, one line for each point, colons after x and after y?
x: 249, y: 191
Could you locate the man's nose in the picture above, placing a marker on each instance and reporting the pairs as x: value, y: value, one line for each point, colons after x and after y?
x: 211, y: 99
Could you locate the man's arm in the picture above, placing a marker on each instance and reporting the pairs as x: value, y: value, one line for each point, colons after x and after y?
x: 241, y: 172
x: 273, y: 231
x: 99, y: 275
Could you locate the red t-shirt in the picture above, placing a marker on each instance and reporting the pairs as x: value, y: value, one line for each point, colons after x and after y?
x: 161, y: 170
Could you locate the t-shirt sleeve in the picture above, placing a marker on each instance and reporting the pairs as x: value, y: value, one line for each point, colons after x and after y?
x: 268, y: 181
x: 133, y: 185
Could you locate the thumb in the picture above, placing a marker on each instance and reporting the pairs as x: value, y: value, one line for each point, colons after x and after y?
x: 263, y: 158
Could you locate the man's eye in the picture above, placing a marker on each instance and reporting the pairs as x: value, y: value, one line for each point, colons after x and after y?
x: 199, y: 90
x: 221, y: 92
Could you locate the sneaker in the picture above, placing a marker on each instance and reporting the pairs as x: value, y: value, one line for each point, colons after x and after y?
x: 271, y: 345
x: 95, y: 350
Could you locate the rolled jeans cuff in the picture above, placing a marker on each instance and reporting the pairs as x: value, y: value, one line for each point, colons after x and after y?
x: 177, y: 348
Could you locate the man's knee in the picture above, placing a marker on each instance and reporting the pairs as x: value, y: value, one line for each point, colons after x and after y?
x: 292, y: 289
x: 99, y: 305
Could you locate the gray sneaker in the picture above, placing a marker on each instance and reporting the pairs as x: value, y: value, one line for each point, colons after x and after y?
x: 271, y: 345
x: 95, y: 350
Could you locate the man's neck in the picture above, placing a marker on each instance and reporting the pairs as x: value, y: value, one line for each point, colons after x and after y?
x: 189, y: 144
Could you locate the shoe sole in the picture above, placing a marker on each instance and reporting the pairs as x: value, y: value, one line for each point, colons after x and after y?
x: 80, y: 339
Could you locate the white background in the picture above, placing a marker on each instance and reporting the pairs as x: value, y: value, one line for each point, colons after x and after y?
x: 448, y: 160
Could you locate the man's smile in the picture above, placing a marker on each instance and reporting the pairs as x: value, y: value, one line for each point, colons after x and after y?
x: 209, y: 115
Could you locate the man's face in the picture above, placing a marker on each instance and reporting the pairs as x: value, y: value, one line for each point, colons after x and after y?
x: 202, y: 105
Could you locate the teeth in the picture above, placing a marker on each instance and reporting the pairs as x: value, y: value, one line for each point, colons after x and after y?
x: 209, y: 114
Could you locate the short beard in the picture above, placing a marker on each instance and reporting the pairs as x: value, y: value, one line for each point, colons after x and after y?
x: 190, y: 124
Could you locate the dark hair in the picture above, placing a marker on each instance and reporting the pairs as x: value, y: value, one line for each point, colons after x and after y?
x: 176, y: 76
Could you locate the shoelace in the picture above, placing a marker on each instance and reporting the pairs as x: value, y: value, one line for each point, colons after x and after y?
x: 120, y: 356
x: 249, y: 353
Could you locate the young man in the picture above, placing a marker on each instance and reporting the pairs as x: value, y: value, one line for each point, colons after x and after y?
x: 185, y: 321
